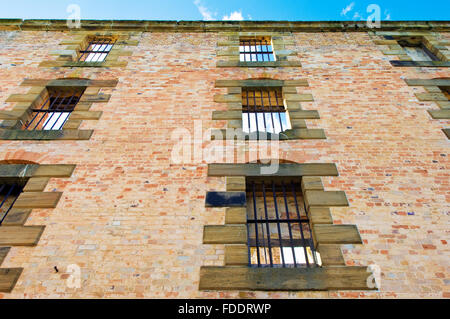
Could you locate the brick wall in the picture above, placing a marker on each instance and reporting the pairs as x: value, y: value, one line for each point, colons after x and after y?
x: 133, y: 220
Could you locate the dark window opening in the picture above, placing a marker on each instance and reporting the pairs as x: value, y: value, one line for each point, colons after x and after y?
x: 258, y: 49
x: 97, y: 50
x: 55, y: 110
x: 279, y: 233
x: 446, y: 91
x: 416, y: 49
x: 9, y: 192
x: 263, y: 110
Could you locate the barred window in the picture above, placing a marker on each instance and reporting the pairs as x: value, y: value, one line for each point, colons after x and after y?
x: 279, y: 234
x: 55, y: 110
x: 263, y: 110
x: 258, y: 49
x: 416, y: 50
x: 97, y: 50
x: 9, y: 192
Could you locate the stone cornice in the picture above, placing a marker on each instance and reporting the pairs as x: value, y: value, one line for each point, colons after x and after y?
x: 223, y: 26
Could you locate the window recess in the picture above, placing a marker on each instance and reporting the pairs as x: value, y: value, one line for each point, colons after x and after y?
x: 279, y: 233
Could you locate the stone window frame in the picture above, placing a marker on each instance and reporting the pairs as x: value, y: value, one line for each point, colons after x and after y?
x: 68, y: 57
x: 233, y: 114
x: 283, y: 43
x: 10, y: 127
x: 236, y: 274
x: 434, y: 94
x: 13, y: 232
x: 429, y: 39
x: 259, y: 39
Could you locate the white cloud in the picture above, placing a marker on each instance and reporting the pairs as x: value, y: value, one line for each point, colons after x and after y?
x: 388, y: 15
x: 347, y: 9
x: 204, y: 11
x: 234, y: 16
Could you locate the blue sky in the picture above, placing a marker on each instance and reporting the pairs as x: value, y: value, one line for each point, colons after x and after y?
x: 308, y: 10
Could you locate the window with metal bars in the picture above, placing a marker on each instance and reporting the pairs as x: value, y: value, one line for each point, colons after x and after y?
x: 263, y: 110
x: 9, y: 192
x: 257, y: 49
x: 55, y: 110
x: 416, y: 50
x: 97, y: 50
x: 279, y: 234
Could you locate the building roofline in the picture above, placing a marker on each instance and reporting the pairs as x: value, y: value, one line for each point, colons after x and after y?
x: 223, y: 26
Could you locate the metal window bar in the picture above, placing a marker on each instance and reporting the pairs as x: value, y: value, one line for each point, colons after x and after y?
x: 256, y: 50
x: 97, y: 50
x: 263, y: 110
x: 54, y: 112
x: 418, y: 51
x: 8, y: 196
x: 279, y: 235
x: 446, y: 91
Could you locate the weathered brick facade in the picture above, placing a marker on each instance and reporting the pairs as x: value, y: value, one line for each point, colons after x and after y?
x: 133, y: 220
